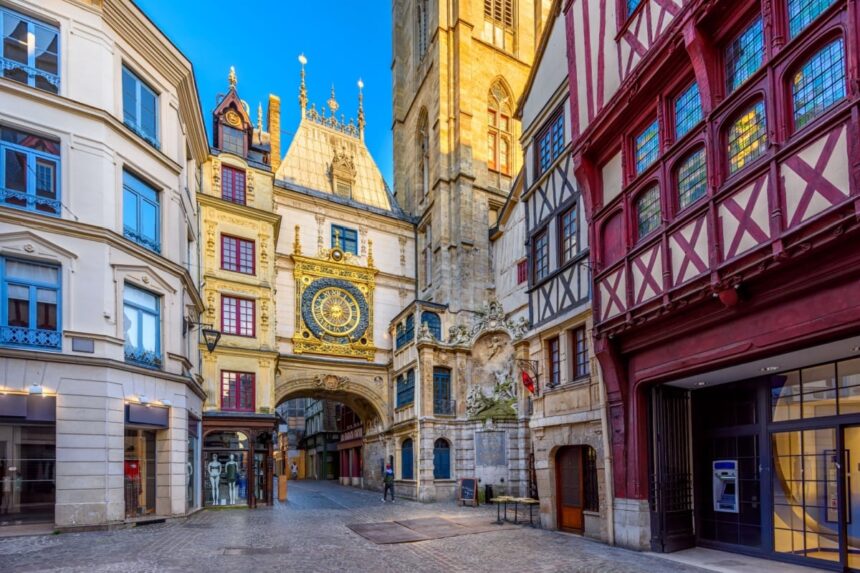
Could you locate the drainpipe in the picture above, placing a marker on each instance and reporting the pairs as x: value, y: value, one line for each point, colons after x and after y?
x: 607, y: 464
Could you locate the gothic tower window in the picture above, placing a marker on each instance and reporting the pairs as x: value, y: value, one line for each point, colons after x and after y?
x: 422, y: 28
x: 423, y: 153
x: 428, y: 256
x: 499, y: 23
x: 499, y: 134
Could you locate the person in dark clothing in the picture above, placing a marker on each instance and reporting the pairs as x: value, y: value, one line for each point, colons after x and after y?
x: 388, y: 480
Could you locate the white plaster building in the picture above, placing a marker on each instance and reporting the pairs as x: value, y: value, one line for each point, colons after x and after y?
x: 101, y: 136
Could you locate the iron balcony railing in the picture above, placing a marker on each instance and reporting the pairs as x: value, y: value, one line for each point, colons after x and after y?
x: 31, y: 337
x: 141, y: 357
x: 28, y: 202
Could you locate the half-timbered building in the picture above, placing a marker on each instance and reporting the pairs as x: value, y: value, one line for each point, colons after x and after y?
x: 716, y: 146
x: 566, y: 421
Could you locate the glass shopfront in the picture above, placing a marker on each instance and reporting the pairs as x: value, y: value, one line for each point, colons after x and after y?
x: 139, y: 473
x: 192, y: 464
x: 27, y: 474
x: 225, y: 467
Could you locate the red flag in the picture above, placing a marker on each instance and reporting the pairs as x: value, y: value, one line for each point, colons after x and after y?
x: 528, y: 382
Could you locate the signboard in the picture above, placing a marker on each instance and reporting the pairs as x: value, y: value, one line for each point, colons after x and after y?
x: 467, y: 491
x: 490, y: 449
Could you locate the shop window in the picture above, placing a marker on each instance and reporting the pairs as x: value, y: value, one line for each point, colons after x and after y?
x: 647, y: 147
x: 406, y: 460
x: 232, y: 140
x: 688, y: 110
x: 237, y: 255
x: 553, y: 352
x: 237, y: 391
x: 550, y: 142
x: 27, y: 474
x: 747, y: 137
x: 540, y: 255
x: 30, y: 311
x: 581, y: 364
x: 648, y: 214
x: 590, y: 490
x: 744, y: 55
x: 499, y: 135
x: 692, y: 179
x: 30, y: 53
x: 233, y: 185
x: 139, y: 107
x: 139, y: 473
x: 568, y: 235
x: 29, y: 172
x: 801, y: 13
x: 433, y: 322
x: 225, y: 463
x: 237, y: 316
x: 819, y: 83
x: 406, y: 389
x: 824, y: 390
x: 345, y: 238
x: 441, y: 459
x: 522, y: 271
x: 443, y: 405
x: 141, y: 212
x: 142, y: 323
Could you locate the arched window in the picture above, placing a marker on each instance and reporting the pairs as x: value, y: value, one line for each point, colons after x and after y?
x: 692, y: 179
x: 421, y: 22
x: 406, y: 464
x: 441, y: 459
x: 499, y: 134
x: 747, y: 137
x: 433, y: 322
x: 648, y: 215
x: 423, y: 153
x: 819, y: 83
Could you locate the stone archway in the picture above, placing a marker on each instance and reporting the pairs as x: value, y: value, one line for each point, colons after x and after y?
x: 364, y: 400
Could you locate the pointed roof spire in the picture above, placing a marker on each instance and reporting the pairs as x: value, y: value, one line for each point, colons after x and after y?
x: 260, y: 116
x: 361, y: 122
x: 303, y: 90
x: 232, y: 78
x: 332, y: 102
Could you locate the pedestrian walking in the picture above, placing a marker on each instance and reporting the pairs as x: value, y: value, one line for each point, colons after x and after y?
x: 388, y: 480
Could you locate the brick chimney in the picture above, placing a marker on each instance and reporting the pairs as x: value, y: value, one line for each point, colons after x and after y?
x: 274, y: 114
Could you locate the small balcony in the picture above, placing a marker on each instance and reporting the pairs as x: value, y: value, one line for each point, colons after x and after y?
x: 27, y: 202
x: 29, y: 75
x: 444, y: 407
x: 144, y: 358
x: 144, y: 242
x: 34, y: 338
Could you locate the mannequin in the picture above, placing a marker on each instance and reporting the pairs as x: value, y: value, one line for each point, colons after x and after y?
x: 231, y: 468
x: 214, y: 477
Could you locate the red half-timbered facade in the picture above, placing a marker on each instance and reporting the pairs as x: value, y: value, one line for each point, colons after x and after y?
x: 716, y: 144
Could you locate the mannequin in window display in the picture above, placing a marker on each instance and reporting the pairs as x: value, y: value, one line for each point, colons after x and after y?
x: 231, y: 469
x: 214, y: 469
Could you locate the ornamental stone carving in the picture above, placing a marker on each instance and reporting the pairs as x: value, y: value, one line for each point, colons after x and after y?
x: 331, y: 382
x: 491, y: 318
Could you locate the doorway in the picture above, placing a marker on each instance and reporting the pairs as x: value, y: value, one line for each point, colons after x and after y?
x: 569, y: 488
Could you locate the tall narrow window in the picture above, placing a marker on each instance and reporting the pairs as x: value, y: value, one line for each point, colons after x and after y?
x: 443, y: 405
x: 237, y: 316
x: 590, y: 490
x: 139, y: 106
x: 233, y: 184
x: 647, y: 147
x: 747, y: 137
x: 553, y: 358
x: 441, y: 459
x: 819, y: 83
x: 499, y: 23
x: 428, y: 256
x: 141, y: 212
x: 406, y: 460
x: 29, y: 172
x: 345, y: 238
x: 29, y: 315
x: 522, y: 271
x: 433, y: 322
x: 568, y: 235
x: 550, y: 142
x: 237, y: 391
x: 499, y: 134
x: 540, y: 256
x: 406, y: 389
x: 423, y: 154
x: 744, y: 55
x: 237, y: 255
x: 648, y: 215
x: 692, y: 179
x: 422, y: 28
x: 30, y: 53
x: 232, y: 140
x: 688, y: 110
x: 801, y: 13
x: 142, y: 326
x: 581, y: 366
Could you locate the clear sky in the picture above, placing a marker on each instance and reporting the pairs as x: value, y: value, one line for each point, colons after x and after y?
x: 342, y: 40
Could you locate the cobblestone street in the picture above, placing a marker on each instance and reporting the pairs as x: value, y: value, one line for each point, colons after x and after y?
x: 310, y: 534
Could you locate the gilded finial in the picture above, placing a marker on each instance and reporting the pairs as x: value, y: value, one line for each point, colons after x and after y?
x: 361, y: 121
x: 369, y: 253
x: 232, y: 78
x: 297, y: 242
x: 332, y: 102
x: 303, y: 91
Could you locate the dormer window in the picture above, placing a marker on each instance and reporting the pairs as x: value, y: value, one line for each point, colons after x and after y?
x: 233, y: 140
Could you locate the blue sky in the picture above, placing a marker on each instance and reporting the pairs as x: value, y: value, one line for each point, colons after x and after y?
x: 342, y: 40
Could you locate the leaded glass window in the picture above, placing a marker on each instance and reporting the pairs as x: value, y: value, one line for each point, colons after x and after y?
x: 744, y: 55
x: 748, y: 137
x: 233, y: 140
x: 648, y: 211
x: 692, y: 179
x: 688, y: 110
x: 819, y: 83
x: 647, y: 147
x: 801, y: 13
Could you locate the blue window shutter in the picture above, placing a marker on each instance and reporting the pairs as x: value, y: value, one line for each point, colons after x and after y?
x: 406, y: 460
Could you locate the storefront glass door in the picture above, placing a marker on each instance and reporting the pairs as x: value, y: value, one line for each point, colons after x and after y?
x: 851, y: 438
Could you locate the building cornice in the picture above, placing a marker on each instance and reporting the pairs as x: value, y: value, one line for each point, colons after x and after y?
x: 346, y: 210
x: 250, y: 213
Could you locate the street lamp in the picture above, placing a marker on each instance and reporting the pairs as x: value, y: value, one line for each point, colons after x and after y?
x: 210, y: 335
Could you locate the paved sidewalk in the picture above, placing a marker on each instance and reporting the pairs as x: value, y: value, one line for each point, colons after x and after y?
x: 309, y: 533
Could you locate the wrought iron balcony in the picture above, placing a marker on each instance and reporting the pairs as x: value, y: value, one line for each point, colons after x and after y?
x: 141, y: 357
x: 145, y: 242
x: 32, y: 74
x: 145, y: 136
x: 31, y: 337
x: 28, y: 202
x: 444, y: 407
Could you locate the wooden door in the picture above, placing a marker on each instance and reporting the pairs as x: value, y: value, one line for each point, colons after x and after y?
x: 569, y: 488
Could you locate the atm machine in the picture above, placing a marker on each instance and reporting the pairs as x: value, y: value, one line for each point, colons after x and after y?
x: 725, y: 480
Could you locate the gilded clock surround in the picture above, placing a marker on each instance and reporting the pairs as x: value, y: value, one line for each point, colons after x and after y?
x: 334, y: 304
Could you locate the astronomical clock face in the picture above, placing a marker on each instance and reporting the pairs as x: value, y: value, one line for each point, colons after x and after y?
x: 335, y: 311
